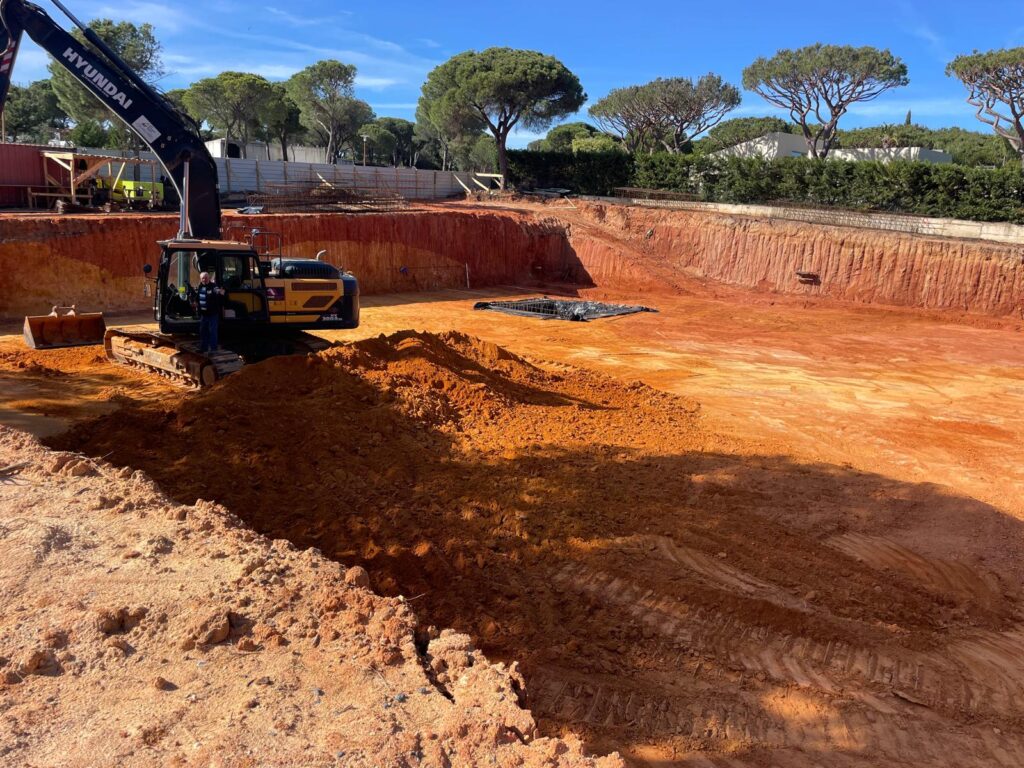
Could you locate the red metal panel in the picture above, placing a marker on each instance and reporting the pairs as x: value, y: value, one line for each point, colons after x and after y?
x: 21, y: 164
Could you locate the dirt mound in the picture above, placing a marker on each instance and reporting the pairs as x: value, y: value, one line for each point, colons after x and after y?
x: 667, y: 593
x: 137, y: 631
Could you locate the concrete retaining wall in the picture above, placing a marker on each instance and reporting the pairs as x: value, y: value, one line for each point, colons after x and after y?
x: 999, y: 232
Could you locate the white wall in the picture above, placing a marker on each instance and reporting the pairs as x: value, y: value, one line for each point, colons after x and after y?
x: 996, y: 231
x: 244, y: 176
x: 259, y: 151
x: 772, y: 146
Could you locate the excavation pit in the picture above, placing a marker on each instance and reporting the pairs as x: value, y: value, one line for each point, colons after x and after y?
x: 589, y: 529
x: 819, y: 533
x: 561, y: 309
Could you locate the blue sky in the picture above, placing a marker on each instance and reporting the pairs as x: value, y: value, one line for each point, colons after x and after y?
x: 395, y: 44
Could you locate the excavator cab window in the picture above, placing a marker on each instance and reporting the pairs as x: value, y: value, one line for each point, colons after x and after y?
x: 234, y: 272
x: 241, y: 278
x: 182, y: 279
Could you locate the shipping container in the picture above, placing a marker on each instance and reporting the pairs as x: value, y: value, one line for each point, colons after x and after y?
x: 21, y: 167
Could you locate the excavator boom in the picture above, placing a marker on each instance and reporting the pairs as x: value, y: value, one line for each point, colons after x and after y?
x: 171, y: 135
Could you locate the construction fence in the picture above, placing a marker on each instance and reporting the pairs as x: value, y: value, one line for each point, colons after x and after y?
x: 240, y: 178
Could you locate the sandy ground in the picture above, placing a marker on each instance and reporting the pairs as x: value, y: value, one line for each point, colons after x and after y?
x: 139, y: 632
x: 910, y: 395
x: 816, y: 563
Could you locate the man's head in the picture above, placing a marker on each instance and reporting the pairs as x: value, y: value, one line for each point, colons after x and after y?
x: 204, y: 278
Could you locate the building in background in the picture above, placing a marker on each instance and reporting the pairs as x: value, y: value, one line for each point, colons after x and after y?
x: 773, y: 146
x: 258, y: 150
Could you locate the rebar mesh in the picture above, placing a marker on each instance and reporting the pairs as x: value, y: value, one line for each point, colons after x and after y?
x: 561, y: 309
x: 319, y: 196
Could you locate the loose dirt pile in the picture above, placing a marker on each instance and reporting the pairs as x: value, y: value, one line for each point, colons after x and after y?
x: 137, y: 631
x: 667, y: 593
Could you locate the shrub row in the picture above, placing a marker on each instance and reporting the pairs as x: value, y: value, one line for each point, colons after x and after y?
x: 928, y: 189
x: 953, y: 191
x: 585, y: 173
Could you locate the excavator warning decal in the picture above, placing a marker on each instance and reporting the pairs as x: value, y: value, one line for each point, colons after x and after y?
x: 146, y: 129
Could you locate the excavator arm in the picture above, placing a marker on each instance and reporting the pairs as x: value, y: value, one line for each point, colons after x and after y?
x: 172, y: 136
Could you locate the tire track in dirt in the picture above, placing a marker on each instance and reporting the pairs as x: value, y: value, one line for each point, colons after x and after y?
x: 890, y: 697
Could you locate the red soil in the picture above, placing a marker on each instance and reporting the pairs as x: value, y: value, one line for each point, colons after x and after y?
x: 95, y: 261
x: 668, y: 593
x: 139, y: 632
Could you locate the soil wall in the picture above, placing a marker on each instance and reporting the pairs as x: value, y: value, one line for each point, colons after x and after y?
x: 96, y: 261
x: 852, y: 264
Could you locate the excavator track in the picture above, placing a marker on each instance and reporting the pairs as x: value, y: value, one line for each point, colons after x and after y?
x: 176, y: 359
x: 180, y: 359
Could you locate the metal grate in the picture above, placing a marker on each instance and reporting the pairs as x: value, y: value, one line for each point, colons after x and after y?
x: 561, y: 309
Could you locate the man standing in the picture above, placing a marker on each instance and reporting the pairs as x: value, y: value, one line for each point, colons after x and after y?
x: 210, y: 300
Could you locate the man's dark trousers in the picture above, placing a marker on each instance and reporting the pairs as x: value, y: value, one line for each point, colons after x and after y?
x: 208, y: 328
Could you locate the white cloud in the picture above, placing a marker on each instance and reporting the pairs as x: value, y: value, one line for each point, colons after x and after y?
x: 304, y: 21
x: 376, y: 83
x: 164, y: 18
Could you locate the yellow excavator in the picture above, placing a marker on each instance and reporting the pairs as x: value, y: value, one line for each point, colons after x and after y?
x: 271, y: 300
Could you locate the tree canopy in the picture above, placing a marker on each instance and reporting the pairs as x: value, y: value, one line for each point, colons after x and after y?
x: 438, y: 127
x: 279, y: 118
x: 561, y: 137
x: 818, y: 84
x: 231, y: 102
x: 631, y: 113
x: 685, y: 109
x: 667, y: 113
x: 33, y: 114
x: 503, y: 88
x: 405, y: 147
x: 995, y: 84
x: 324, y: 93
x: 598, y: 142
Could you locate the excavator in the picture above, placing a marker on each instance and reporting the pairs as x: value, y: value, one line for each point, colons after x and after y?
x: 271, y: 301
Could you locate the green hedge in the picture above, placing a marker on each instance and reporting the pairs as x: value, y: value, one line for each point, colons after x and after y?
x: 954, y: 191
x: 585, y: 173
x: 928, y: 189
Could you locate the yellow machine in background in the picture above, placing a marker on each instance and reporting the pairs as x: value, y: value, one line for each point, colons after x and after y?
x: 133, y: 193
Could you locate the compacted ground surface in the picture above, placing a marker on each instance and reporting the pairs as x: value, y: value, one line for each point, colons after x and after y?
x: 745, y: 531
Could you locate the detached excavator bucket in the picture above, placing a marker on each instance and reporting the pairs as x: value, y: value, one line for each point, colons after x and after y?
x: 68, y: 330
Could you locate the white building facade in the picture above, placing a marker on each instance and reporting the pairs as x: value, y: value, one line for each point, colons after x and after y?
x: 773, y: 146
x: 257, y: 150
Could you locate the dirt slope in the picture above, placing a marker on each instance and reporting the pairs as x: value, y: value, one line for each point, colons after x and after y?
x: 136, y: 631
x: 619, y: 246
x: 96, y: 261
x: 668, y: 593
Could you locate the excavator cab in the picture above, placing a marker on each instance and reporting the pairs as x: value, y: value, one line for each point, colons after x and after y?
x: 235, y: 267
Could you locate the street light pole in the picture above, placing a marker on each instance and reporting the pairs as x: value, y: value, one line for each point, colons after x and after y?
x: 365, y: 137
